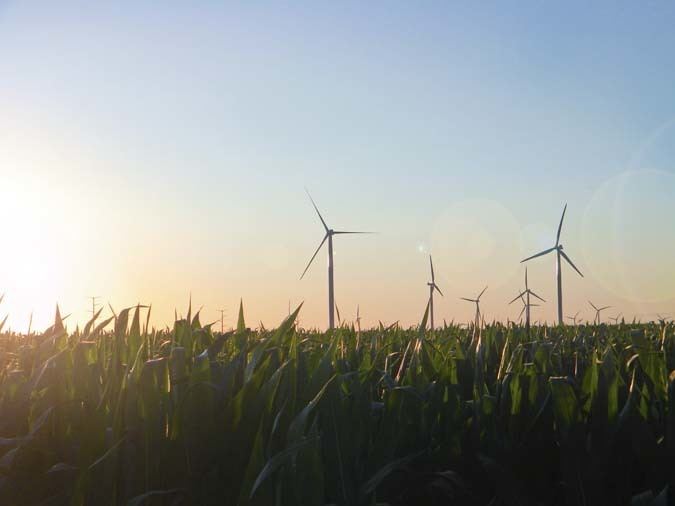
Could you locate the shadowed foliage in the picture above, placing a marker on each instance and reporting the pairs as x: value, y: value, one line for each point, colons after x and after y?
x: 121, y: 414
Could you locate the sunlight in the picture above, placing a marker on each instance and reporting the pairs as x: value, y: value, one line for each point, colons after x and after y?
x: 31, y: 257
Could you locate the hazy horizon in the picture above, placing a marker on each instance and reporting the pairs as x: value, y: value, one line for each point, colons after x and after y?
x: 148, y: 154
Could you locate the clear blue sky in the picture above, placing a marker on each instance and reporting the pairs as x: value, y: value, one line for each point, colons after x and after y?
x: 163, y: 151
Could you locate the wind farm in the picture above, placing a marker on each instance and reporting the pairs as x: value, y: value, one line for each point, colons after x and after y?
x: 209, y: 391
x: 342, y: 413
x: 337, y: 254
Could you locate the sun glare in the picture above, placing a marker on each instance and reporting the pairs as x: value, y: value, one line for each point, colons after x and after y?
x: 31, y: 258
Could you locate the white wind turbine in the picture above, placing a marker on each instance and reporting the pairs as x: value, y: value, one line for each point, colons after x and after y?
x: 616, y: 318
x: 526, y: 306
x: 558, y: 248
x: 477, y: 302
x: 432, y: 286
x: 525, y: 297
x: 574, y: 318
x: 328, y: 236
x: 596, y: 320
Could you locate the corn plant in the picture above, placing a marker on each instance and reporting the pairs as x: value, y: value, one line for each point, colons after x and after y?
x: 120, y: 413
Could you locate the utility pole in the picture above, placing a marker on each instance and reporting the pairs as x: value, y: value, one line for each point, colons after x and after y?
x: 94, y: 305
x: 222, y: 319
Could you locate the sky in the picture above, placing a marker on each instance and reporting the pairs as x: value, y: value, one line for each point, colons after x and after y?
x: 151, y: 153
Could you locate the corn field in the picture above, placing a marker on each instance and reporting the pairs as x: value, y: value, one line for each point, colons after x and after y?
x: 120, y: 414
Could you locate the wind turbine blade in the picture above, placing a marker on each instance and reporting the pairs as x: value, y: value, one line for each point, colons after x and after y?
x: 313, y: 256
x: 603, y: 308
x: 350, y: 232
x: 521, y: 312
x: 438, y: 289
x: 537, y: 296
x: 519, y: 296
x: 592, y: 305
x: 526, y: 287
x: 557, y: 237
x: 481, y: 294
x: 570, y: 262
x: 468, y: 300
x: 317, y: 210
x: 431, y: 263
x: 546, y: 251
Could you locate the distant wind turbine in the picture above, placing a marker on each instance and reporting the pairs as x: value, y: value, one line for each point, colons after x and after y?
x: 477, y: 302
x: 574, y: 318
x: 329, y: 236
x: 558, y: 248
x: 432, y: 286
x: 525, y: 297
x: 526, y: 307
x: 616, y: 318
x: 596, y: 320
x: 522, y: 311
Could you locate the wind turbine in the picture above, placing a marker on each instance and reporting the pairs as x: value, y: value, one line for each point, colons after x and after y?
x: 522, y: 299
x: 616, y: 318
x: 527, y: 307
x: 477, y: 302
x: 329, y: 236
x: 574, y: 318
x: 597, y: 312
x: 525, y: 297
x: 522, y: 311
x: 558, y: 248
x: 432, y: 286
